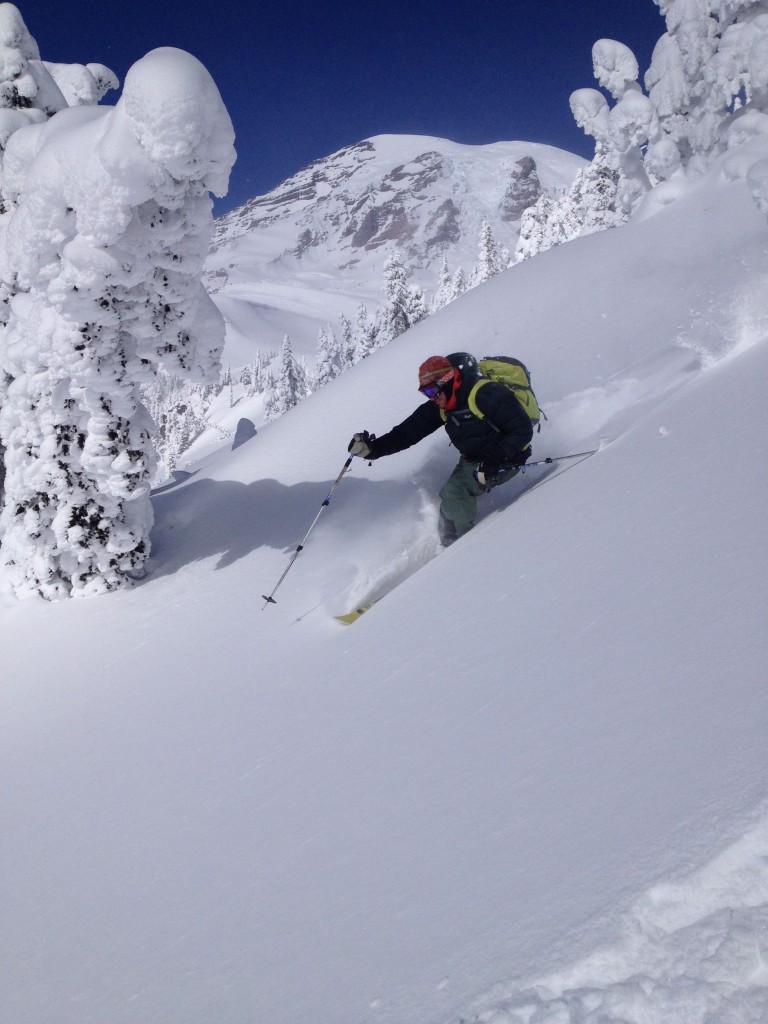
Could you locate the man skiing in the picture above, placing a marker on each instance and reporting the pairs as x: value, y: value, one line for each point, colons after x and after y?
x: 493, y: 445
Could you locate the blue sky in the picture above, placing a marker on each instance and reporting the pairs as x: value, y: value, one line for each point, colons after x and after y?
x: 303, y: 79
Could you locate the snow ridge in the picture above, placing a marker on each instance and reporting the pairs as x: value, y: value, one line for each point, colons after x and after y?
x: 691, y: 951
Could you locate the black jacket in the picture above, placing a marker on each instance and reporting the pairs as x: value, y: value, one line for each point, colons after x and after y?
x: 501, y: 436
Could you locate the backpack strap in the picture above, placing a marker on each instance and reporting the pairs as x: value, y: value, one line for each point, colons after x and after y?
x: 472, y: 402
x: 472, y: 405
x: 521, y: 392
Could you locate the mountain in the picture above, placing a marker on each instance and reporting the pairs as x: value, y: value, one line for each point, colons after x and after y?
x: 294, y: 259
x: 529, y: 785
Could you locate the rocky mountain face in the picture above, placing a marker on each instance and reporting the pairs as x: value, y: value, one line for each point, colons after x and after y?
x: 326, y: 232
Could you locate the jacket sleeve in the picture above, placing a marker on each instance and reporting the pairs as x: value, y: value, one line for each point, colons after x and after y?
x: 422, y: 422
x: 512, y: 426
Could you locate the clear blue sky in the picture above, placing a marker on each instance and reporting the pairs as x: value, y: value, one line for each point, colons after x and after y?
x: 302, y: 79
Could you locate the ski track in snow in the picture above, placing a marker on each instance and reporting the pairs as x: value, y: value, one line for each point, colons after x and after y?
x: 590, y: 419
x: 693, y: 951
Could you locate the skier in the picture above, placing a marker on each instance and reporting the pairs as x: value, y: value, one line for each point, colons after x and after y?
x: 492, y: 448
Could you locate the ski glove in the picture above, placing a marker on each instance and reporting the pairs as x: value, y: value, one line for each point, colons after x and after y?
x: 487, y: 473
x: 521, y: 458
x: 361, y: 445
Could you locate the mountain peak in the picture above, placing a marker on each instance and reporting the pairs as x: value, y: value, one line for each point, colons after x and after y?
x: 332, y: 225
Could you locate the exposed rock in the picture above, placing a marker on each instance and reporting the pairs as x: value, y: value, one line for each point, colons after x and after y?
x: 523, y: 190
x: 442, y: 228
x: 388, y: 222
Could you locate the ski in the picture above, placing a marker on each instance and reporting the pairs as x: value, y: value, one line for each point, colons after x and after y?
x: 353, y: 616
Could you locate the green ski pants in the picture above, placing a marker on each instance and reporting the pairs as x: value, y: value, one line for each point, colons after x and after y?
x: 459, y: 494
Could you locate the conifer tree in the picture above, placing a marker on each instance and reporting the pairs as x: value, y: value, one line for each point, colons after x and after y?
x: 459, y: 282
x: 489, y: 261
x: 366, y: 334
x: 417, y: 307
x: 289, y: 385
x: 108, y: 242
x: 29, y: 94
x: 347, y: 343
x: 393, y: 319
x: 445, y: 289
x: 328, y: 363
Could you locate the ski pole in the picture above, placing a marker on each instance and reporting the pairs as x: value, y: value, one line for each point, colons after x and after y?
x: 556, y: 458
x: 270, y: 599
x: 530, y: 465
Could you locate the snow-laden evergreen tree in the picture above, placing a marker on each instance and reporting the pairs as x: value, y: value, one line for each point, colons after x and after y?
x: 393, y: 317
x: 632, y: 121
x: 260, y: 372
x: 446, y: 291
x: 179, y: 411
x: 366, y: 334
x: 417, y: 304
x: 347, y: 343
x: 30, y: 94
x: 707, y: 93
x: 708, y: 71
x: 290, y: 385
x: 489, y: 262
x: 459, y: 282
x: 328, y: 364
x: 245, y: 378
x: 111, y: 225
x: 604, y: 191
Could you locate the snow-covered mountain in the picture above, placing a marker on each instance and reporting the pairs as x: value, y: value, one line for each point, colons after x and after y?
x: 529, y: 786
x: 313, y: 248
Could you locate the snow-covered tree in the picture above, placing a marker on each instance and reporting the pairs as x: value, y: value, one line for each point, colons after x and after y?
x: 393, y: 319
x: 631, y: 123
x: 179, y: 411
x: 459, y: 282
x: 245, y: 378
x: 347, y: 343
x: 707, y: 71
x: 259, y: 370
x: 707, y: 93
x: 489, y: 260
x: 29, y: 94
x: 82, y: 85
x: 366, y: 334
x: 290, y: 385
x: 445, y: 289
x: 111, y: 225
x: 26, y: 85
x: 417, y: 304
x: 328, y: 364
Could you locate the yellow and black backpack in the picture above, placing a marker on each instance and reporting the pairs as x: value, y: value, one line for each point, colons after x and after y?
x: 512, y: 374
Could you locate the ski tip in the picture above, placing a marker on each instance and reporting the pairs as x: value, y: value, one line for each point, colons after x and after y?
x: 353, y: 616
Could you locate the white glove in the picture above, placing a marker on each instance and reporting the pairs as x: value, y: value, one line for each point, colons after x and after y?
x: 360, y: 445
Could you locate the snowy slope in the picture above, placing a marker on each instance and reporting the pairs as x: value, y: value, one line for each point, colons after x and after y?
x: 527, y: 786
x: 315, y: 247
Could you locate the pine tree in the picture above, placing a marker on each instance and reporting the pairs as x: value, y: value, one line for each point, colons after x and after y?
x: 29, y: 90
x: 328, y: 363
x: 393, y: 318
x: 445, y: 289
x: 489, y: 262
x: 366, y: 334
x: 417, y: 307
x: 290, y: 384
x: 99, y: 314
x: 347, y: 344
x: 459, y: 282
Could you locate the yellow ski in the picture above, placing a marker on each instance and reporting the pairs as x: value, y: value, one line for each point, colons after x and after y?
x: 351, y: 617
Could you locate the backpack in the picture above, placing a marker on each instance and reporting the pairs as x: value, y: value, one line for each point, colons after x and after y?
x: 512, y: 374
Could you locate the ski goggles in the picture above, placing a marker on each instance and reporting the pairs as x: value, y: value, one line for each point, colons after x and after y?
x: 437, y: 387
